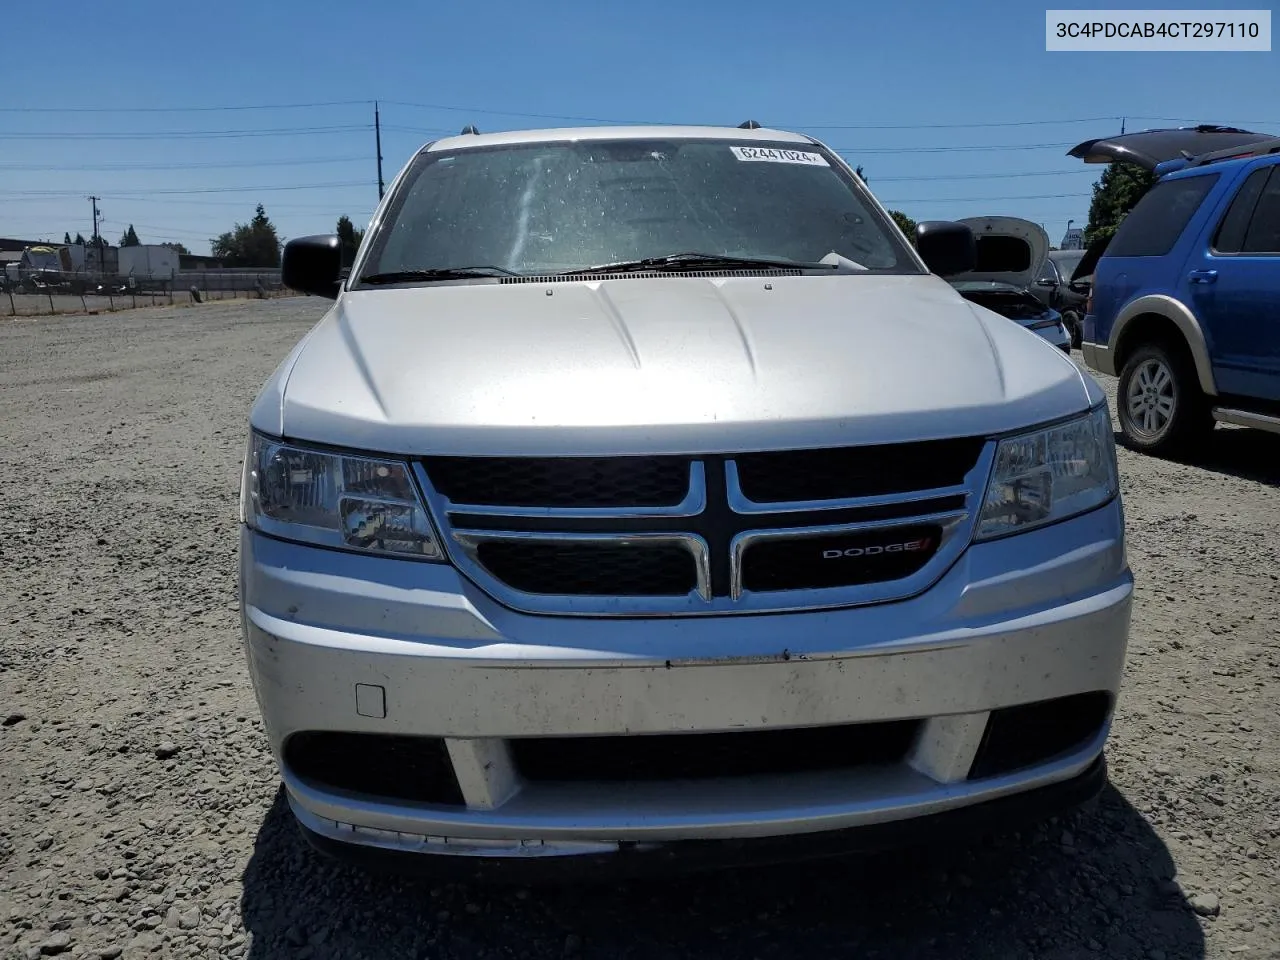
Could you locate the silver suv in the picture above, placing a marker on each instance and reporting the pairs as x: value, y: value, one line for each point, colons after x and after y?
x: 643, y: 488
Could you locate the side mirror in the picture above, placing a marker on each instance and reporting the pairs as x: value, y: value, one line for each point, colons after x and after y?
x: 311, y: 265
x: 947, y: 248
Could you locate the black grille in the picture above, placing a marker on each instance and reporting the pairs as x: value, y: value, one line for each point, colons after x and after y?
x: 698, y: 756
x: 778, y: 477
x: 1023, y: 736
x: 378, y: 765
x: 591, y: 568
x: 839, y: 560
x: 561, y: 481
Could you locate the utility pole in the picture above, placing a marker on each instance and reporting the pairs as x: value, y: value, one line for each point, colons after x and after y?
x: 377, y: 139
x: 1122, y: 120
x: 97, y: 237
x: 94, y: 201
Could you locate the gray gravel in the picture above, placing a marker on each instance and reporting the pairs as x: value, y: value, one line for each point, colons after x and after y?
x: 140, y: 815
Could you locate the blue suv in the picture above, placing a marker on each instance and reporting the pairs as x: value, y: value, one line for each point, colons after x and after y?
x: 1185, y: 305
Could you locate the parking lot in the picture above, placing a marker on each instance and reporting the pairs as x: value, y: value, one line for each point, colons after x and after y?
x: 140, y: 814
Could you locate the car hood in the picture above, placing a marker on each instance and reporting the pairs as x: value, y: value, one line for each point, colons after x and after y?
x: 667, y: 365
x: 1010, y: 250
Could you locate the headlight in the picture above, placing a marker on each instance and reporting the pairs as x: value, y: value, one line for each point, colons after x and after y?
x: 1050, y: 475
x: 335, y: 500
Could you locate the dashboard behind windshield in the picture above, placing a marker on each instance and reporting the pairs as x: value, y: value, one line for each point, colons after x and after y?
x: 545, y: 208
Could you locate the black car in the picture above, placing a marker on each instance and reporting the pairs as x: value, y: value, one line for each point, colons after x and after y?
x: 1009, y: 253
x: 1056, y: 286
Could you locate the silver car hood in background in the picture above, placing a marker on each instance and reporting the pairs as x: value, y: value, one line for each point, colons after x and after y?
x: 667, y: 365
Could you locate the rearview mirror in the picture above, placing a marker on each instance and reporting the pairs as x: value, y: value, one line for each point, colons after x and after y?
x: 312, y: 264
x: 947, y: 248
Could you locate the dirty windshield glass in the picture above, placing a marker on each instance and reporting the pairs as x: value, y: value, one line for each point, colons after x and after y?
x: 555, y: 207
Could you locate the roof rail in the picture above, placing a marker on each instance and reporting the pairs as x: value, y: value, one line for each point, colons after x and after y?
x: 469, y: 128
x: 1259, y: 149
x: 749, y: 125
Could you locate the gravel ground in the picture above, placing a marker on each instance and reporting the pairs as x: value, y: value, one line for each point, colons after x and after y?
x: 140, y: 815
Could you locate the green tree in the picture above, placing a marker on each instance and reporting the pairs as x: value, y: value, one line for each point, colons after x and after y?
x: 130, y: 238
x: 905, y: 224
x: 347, y: 232
x: 1119, y: 188
x: 174, y: 245
x: 252, y: 244
x: 66, y: 238
x: 80, y: 239
x: 861, y: 175
x: 349, y: 237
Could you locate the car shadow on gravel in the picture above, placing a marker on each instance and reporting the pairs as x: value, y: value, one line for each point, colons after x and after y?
x: 1236, y: 452
x: 1095, y: 883
x: 1247, y: 454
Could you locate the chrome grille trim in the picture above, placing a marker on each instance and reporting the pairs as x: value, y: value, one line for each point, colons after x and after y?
x: 462, y: 543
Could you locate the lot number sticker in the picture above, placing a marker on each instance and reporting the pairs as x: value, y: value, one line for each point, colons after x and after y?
x: 774, y: 155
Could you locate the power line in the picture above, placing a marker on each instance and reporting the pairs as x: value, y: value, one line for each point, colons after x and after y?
x: 512, y: 113
x: 255, y: 106
x: 194, y: 234
x: 201, y: 234
x: 953, y: 126
x: 801, y: 126
x: 179, y: 192
x: 188, y: 134
x: 984, y: 148
x: 179, y: 201
x: 860, y: 151
x: 125, y: 166
x: 337, y: 184
x: 1034, y: 196
x: 985, y: 176
x: 577, y: 118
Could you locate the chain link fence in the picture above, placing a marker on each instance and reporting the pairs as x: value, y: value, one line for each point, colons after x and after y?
x: 92, y: 294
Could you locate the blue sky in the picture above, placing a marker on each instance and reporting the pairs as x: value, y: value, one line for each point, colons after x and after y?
x: 867, y: 67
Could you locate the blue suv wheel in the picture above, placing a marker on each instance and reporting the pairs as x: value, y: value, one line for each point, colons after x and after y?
x: 1160, y: 405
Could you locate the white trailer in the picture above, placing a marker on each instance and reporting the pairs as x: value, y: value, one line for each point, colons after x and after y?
x: 148, y: 265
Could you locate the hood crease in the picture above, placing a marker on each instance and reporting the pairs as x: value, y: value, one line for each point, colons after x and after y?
x: 610, y: 310
x: 362, y: 363
x: 742, y: 333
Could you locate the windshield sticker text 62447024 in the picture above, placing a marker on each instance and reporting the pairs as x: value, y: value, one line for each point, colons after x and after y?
x: 776, y: 155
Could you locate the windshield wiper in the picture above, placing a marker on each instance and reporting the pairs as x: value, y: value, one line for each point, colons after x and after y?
x: 696, y: 261
x: 437, y: 273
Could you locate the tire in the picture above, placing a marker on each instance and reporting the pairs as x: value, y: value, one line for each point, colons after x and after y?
x: 1075, y: 327
x: 1161, y: 408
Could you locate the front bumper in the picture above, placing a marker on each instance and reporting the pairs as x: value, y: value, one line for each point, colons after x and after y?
x: 341, y: 642
x: 631, y: 861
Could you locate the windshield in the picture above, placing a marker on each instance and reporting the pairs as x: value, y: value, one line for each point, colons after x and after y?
x: 43, y: 259
x: 557, y: 207
x: 1067, y: 262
